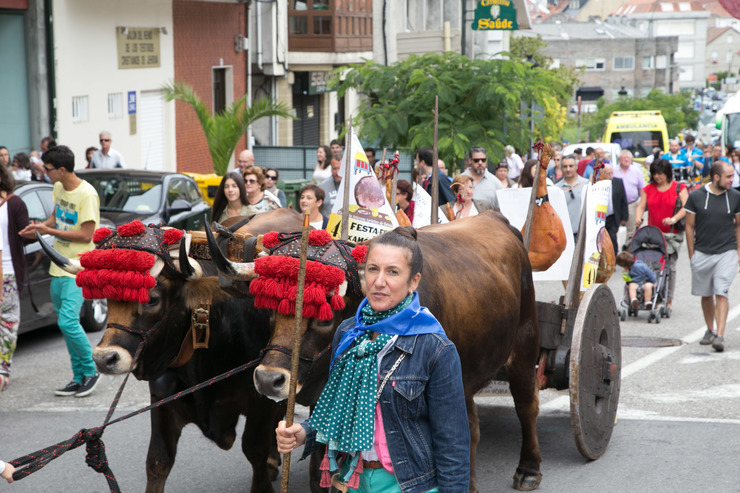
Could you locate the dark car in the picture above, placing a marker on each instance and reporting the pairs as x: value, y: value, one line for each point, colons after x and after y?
x: 94, y: 313
x: 153, y: 197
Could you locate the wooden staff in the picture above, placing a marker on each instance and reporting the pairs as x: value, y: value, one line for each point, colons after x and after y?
x: 382, y: 159
x: 295, y: 356
x: 435, y: 169
x: 527, y: 232
x: 394, y: 187
x: 347, y: 169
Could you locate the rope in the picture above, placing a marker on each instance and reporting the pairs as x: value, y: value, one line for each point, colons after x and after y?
x: 95, y: 456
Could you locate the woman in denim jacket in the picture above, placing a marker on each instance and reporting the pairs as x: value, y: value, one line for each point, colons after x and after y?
x: 393, y: 412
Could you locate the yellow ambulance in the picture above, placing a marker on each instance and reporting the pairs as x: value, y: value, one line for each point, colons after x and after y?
x: 638, y: 132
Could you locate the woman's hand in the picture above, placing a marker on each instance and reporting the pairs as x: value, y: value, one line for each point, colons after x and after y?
x: 288, y: 439
x: 668, y: 221
x: 638, y: 222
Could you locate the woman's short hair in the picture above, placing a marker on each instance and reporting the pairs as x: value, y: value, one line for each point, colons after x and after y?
x: 318, y: 192
x: 661, y: 166
x: 459, y: 181
x: 404, y: 186
x: 402, y: 237
x: 256, y: 171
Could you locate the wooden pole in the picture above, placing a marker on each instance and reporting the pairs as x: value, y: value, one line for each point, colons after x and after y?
x: 394, y: 187
x: 527, y: 232
x: 295, y: 357
x: 347, y: 179
x: 435, y: 169
x: 382, y: 159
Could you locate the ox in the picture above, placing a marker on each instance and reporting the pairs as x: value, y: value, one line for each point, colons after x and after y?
x: 477, y: 281
x: 238, y: 332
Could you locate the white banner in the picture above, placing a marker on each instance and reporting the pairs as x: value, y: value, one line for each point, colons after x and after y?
x: 597, y: 203
x: 423, y: 209
x: 370, y: 213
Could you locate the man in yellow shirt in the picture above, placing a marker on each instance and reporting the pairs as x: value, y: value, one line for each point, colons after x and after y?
x: 75, y: 218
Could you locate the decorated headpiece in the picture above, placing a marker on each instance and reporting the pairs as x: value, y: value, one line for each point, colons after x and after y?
x: 329, y: 263
x: 125, y: 262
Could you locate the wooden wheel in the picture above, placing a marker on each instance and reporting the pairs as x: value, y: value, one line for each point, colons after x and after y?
x: 595, y: 367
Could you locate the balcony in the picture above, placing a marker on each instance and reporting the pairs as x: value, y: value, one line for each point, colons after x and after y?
x: 335, y: 26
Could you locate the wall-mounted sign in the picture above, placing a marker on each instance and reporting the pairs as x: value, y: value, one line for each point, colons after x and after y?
x: 138, y: 47
x: 495, y: 15
x: 317, y: 82
x: 131, y: 112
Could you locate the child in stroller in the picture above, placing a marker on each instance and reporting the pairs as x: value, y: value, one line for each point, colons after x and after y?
x: 640, y: 277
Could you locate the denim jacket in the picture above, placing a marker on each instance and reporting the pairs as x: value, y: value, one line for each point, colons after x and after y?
x: 424, y: 415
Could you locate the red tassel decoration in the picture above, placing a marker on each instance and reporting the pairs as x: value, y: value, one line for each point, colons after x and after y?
x: 284, y: 307
x: 172, y: 236
x: 100, y: 234
x: 270, y: 240
x: 337, y: 301
x: 360, y: 253
x: 318, y: 237
x: 134, y: 228
x: 325, y: 312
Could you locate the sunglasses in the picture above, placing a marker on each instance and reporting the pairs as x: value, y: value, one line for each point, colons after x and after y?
x: 251, y: 180
x: 479, y: 160
x: 270, y: 177
x: 572, y: 195
x: 104, y: 140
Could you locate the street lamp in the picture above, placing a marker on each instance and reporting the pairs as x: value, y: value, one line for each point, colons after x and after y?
x: 532, y: 65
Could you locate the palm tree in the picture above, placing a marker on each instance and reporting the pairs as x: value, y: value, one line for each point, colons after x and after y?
x: 224, y: 129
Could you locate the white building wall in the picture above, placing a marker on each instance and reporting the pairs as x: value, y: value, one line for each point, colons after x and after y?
x: 86, y: 64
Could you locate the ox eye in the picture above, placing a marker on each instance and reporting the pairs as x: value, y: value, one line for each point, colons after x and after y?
x: 153, y: 300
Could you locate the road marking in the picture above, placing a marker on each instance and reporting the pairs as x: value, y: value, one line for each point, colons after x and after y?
x: 710, y: 357
x: 562, y: 404
x: 730, y: 391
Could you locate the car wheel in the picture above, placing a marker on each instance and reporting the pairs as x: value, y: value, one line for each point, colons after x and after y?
x: 94, y: 315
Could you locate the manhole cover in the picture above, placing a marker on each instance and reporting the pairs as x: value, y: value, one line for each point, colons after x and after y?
x: 650, y: 342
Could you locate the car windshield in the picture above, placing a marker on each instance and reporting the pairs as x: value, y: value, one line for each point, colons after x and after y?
x: 127, y: 194
x: 640, y: 143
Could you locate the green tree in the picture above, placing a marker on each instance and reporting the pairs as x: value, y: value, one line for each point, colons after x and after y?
x: 223, y: 130
x: 481, y: 102
x: 677, y: 109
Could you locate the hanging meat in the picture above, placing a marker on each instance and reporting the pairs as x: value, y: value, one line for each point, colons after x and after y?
x: 548, y: 240
x: 387, y: 171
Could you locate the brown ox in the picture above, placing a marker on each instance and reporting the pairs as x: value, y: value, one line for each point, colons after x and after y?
x: 477, y: 281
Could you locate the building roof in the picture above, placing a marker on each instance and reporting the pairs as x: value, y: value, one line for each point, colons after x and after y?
x: 585, y: 30
x: 658, y: 6
x: 715, y: 32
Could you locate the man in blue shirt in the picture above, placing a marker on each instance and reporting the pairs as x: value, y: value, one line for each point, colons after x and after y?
x: 674, y: 155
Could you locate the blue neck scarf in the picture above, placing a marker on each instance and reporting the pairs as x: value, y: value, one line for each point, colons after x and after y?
x: 414, y: 320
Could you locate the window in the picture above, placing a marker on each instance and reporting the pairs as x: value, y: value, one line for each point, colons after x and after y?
x: 728, y: 56
x: 686, y: 74
x: 661, y: 61
x: 79, y: 109
x: 685, y: 50
x: 321, y: 25
x: 714, y: 56
x: 674, y: 28
x: 648, y: 62
x: 729, y: 39
x: 115, y: 105
x: 591, y: 63
x: 555, y: 63
x: 624, y: 63
x: 177, y: 191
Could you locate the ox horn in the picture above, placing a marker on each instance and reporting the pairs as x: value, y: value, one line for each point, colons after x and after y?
x: 190, y: 269
x: 67, y: 264
x: 234, y: 270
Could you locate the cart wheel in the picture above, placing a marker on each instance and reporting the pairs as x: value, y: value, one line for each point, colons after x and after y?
x: 622, y: 315
x: 595, y: 368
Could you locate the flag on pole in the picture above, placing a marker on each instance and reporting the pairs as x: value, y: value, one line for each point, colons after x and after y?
x: 370, y: 213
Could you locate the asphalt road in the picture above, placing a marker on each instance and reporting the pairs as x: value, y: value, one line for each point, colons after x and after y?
x: 678, y: 427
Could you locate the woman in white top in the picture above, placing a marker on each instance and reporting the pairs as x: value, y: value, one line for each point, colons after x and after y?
x: 230, y: 199
x: 463, y: 188
x: 258, y: 198
x: 312, y: 198
x: 22, y: 167
x: 322, y: 170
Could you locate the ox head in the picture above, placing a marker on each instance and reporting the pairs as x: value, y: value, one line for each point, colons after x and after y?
x: 148, y: 279
x: 332, y: 293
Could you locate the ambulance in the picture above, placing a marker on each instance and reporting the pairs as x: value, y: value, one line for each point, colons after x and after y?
x: 728, y: 121
x: 638, y: 132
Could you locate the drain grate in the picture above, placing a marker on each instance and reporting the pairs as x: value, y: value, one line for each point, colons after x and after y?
x: 637, y: 341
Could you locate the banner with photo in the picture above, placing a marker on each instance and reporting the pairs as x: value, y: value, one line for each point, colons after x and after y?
x: 597, y: 204
x: 370, y: 213
x: 423, y: 209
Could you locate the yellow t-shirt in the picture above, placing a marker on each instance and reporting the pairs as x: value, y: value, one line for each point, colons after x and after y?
x: 71, y: 210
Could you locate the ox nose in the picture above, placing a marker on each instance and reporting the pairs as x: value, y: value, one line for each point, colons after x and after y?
x: 272, y: 382
x: 108, y: 361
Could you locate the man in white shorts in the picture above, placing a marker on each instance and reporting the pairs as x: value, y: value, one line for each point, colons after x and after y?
x: 712, y: 232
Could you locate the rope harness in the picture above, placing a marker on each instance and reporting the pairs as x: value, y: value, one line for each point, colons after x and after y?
x: 95, y: 456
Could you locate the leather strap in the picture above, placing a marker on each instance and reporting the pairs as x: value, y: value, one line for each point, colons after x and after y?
x: 198, y: 336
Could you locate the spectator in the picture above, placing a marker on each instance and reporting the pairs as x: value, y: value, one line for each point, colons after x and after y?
x: 13, y: 219
x: 21, y: 167
x: 4, y: 156
x: 370, y: 153
x: 514, y: 161
x: 46, y: 144
x: 271, y: 178
x: 404, y: 198
x: 659, y: 199
x: 712, y: 229
x: 388, y: 324
x: 693, y: 154
x: 640, y: 276
x: 38, y: 172
x: 443, y: 169
x: 89, y: 154
x: 336, y: 149
x: 107, y: 157
x: 465, y: 205
x: 484, y: 182
x: 259, y: 199
x: 74, y: 220
x: 554, y: 171
x: 331, y: 187
x: 526, y: 180
x: 322, y: 170
x: 573, y: 185
x: 502, y: 173
x: 230, y: 199
x: 735, y: 158
x: 578, y: 152
x: 586, y: 159
x: 633, y: 181
x: 599, y: 157
x: 425, y: 164
x: 246, y: 159
x: 617, y: 210
x: 312, y: 198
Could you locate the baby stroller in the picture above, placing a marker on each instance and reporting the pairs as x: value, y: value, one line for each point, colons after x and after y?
x: 648, y: 245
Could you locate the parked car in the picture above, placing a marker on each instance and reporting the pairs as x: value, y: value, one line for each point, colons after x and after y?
x: 153, y: 197
x: 94, y: 313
